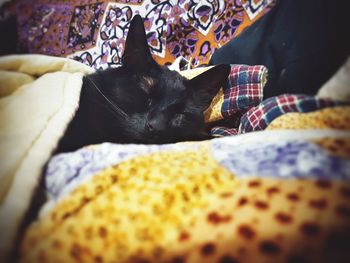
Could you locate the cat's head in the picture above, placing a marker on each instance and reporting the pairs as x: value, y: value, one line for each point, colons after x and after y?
x: 161, y: 106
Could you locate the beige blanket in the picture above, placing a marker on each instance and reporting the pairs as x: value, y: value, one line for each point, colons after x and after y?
x: 38, y: 97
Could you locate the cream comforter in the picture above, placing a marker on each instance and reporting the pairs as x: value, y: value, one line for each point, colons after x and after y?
x: 39, y: 96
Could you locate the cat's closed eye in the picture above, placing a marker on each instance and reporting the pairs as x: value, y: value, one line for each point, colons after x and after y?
x: 147, y: 84
x: 182, y: 119
x: 178, y: 120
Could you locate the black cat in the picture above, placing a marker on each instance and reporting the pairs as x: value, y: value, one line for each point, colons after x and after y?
x: 141, y: 101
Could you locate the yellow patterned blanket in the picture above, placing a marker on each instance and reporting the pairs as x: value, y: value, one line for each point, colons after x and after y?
x: 271, y: 196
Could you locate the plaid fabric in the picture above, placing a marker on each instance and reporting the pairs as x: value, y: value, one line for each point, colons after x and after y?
x: 221, y: 131
x: 244, y: 109
x: 245, y: 89
x: 259, y: 117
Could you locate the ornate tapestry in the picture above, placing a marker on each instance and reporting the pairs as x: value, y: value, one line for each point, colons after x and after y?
x: 94, y: 32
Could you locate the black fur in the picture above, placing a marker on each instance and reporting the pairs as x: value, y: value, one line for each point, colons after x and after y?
x: 302, y: 43
x: 141, y: 101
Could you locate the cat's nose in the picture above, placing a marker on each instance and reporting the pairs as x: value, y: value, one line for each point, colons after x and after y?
x: 155, y: 125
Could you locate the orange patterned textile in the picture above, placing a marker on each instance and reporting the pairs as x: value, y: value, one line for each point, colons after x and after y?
x: 94, y: 32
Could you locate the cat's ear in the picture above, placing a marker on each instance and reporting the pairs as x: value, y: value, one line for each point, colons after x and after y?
x: 136, y: 53
x: 208, y: 84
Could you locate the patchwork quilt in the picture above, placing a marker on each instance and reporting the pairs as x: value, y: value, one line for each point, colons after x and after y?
x: 275, y: 196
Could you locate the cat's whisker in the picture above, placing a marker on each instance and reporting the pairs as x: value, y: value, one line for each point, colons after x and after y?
x: 117, y: 110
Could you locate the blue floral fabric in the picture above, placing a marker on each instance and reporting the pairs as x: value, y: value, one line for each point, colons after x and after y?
x: 64, y: 171
x: 285, y: 159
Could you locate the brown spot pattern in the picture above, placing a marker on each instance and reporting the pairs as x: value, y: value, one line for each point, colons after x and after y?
x: 294, y: 197
x: 269, y: 247
x: 85, y: 200
x: 339, y: 142
x: 208, y: 249
x: 140, y: 260
x: 318, y: 203
x: 42, y: 256
x: 98, y: 189
x: 242, y: 201
x: 226, y: 195
x: 254, y: 183
x: 98, y: 259
x: 184, y: 236
x: 343, y: 211
x: 114, y: 178
x: 283, y: 218
x: 66, y: 215
x: 178, y: 260
x: 310, y: 229
x: 228, y: 259
x: 324, y: 184
x: 345, y: 192
x: 246, y: 231
x: 249, y: 232
x: 272, y: 190
x: 102, y: 231
x: 215, y: 218
x: 75, y: 252
x: 57, y: 244
x: 261, y: 205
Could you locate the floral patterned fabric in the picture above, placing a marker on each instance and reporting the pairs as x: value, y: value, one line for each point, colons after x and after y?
x: 94, y: 32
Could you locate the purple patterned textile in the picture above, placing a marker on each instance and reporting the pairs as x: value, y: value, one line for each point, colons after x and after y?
x: 94, y: 31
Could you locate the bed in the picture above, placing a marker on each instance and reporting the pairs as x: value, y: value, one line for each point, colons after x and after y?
x: 272, y: 186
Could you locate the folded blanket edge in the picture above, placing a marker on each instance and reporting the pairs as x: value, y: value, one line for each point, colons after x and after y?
x: 19, y: 196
